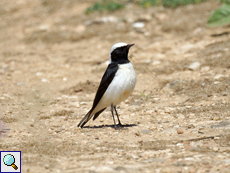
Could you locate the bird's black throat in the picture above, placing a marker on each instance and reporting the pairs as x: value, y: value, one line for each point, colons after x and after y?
x: 120, y: 55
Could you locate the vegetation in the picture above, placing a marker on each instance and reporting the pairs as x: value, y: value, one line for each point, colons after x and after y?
x: 168, y: 3
x: 109, y: 5
x: 225, y: 1
x: 105, y: 5
x: 221, y: 16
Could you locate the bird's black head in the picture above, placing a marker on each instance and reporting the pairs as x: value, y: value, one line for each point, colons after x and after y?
x: 119, y: 52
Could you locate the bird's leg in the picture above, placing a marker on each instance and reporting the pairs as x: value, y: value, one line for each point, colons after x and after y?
x: 113, y: 116
x: 119, y: 122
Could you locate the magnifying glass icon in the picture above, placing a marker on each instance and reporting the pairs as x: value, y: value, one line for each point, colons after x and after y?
x: 9, y: 160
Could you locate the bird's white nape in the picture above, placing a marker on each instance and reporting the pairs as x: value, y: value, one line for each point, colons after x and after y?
x: 120, y: 44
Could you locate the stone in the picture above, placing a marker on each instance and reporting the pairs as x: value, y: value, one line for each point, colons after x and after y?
x: 224, y: 94
x: 215, y: 149
x: 221, y: 124
x: 46, y: 166
x: 80, y: 28
x: 126, y: 101
x: 135, y: 104
x: 219, y: 76
x: 44, y: 27
x: 216, y: 118
x: 138, y: 25
x: 181, y: 116
x: 108, y: 19
x: 21, y: 83
x: 194, y: 66
x: 205, y: 69
x: 191, y: 126
x: 179, y: 131
x: 156, y: 62
x: 186, y: 48
x: 83, y: 103
x: 169, y: 110
x: 44, y: 80
x: 145, y: 17
x: 145, y: 131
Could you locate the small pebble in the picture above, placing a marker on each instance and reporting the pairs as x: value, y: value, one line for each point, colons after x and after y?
x: 194, y: 66
x: 179, y: 144
x: 44, y: 80
x: 46, y: 166
x: 155, y: 99
x: 224, y: 94
x: 136, y: 104
x: 83, y: 103
x: 134, y: 156
x: 145, y: 131
x: 169, y: 110
x: 216, y: 82
x: 195, y: 148
x: 126, y: 101
x: 218, y: 76
x: 138, y: 25
x: 179, y: 131
x: 181, y: 116
x: 39, y: 74
x: 216, y: 118
x: 215, y: 148
x: 156, y: 62
x: 191, y: 126
x: 21, y: 83
x: 44, y: 27
x: 80, y: 28
x: 205, y: 69
x: 216, y: 138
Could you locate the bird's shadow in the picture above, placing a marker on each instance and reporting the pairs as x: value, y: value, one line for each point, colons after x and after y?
x: 118, y: 127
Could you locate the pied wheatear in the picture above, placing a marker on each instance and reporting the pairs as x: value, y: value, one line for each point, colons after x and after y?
x: 116, y: 85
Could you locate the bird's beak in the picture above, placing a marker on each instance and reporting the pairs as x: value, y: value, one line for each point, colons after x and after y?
x: 129, y: 45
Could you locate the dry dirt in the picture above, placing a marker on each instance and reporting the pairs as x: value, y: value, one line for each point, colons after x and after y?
x: 52, y: 57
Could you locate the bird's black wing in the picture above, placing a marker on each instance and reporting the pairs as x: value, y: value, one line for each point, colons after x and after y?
x: 105, y: 82
x: 98, y: 113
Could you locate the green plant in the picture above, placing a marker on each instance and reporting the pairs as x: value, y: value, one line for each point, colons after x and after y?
x: 148, y: 3
x: 225, y: 1
x: 167, y: 3
x: 104, y: 6
x: 176, y: 3
x: 146, y: 96
x: 108, y: 5
x: 220, y: 17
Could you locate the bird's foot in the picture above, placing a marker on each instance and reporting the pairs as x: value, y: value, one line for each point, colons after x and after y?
x: 118, y: 126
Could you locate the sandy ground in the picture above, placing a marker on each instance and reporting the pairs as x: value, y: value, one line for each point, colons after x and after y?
x: 52, y: 57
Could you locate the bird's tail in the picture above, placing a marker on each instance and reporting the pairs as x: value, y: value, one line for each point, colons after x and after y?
x: 86, y: 118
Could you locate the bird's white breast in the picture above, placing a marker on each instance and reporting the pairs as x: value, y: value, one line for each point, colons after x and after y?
x: 120, y: 88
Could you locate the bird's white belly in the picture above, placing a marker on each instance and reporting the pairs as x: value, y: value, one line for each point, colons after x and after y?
x: 120, y: 88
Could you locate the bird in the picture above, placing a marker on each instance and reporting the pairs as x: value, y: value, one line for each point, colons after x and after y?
x: 116, y: 84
